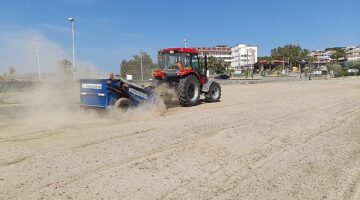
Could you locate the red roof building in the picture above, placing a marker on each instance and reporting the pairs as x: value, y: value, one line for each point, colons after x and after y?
x: 219, y: 51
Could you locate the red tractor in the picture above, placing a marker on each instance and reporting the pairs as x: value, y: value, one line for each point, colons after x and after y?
x: 181, y: 70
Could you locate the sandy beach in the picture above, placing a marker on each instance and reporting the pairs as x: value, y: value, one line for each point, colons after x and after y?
x: 284, y: 140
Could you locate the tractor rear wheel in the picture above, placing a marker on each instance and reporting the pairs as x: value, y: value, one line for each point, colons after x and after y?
x: 123, y: 104
x: 214, y: 93
x: 188, y: 91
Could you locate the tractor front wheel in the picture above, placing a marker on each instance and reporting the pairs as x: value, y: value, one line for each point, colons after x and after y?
x: 188, y: 91
x: 214, y: 93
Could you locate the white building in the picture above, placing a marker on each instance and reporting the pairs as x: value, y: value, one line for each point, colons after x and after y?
x: 353, y: 54
x: 243, y: 56
x: 240, y: 56
x: 322, y: 56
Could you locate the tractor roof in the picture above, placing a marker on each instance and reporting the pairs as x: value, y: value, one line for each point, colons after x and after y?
x: 179, y: 50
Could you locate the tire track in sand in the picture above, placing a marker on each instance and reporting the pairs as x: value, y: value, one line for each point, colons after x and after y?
x: 181, y: 146
x: 261, y: 163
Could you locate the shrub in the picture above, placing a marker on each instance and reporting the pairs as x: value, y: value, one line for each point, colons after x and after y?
x: 352, y: 64
x: 337, y: 69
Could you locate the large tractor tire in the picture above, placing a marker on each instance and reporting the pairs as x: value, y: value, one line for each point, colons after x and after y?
x: 214, y: 93
x: 123, y: 104
x: 188, y: 91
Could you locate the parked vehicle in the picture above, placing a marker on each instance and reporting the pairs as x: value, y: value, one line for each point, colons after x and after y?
x: 222, y: 76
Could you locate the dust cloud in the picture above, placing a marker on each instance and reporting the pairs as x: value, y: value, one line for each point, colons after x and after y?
x: 145, y: 111
x: 166, y: 93
x: 20, y: 51
x: 55, y: 101
x: 56, y: 104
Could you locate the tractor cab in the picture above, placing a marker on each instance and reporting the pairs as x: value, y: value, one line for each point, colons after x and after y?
x: 175, y: 62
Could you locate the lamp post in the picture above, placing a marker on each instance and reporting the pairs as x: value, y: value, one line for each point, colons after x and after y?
x: 141, y: 64
x: 38, y: 58
x: 185, y: 43
x: 71, y: 20
x: 252, y: 63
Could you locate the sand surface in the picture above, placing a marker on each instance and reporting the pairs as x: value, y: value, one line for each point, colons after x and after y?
x: 289, y: 140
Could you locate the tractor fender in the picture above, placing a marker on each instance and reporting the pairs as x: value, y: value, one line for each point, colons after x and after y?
x: 205, y: 88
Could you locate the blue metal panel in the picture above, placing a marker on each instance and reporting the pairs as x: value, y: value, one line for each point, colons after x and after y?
x: 103, y: 93
x: 93, y: 92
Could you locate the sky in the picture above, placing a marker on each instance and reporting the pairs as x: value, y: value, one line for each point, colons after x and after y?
x: 109, y: 31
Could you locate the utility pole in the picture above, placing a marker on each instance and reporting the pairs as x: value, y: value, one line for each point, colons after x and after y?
x: 354, y: 54
x: 289, y: 64
x: 141, y: 64
x: 71, y: 20
x: 252, y: 62
x: 38, y: 57
x: 247, y: 60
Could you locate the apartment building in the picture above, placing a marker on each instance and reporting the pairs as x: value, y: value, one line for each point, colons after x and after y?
x: 322, y: 56
x: 353, y: 54
x: 243, y: 56
x: 239, y: 57
x: 219, y: 51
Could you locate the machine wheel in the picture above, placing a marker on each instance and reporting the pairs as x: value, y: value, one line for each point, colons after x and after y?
x: 214, y: 93
x: 123, y: 104
x: 188, y: 91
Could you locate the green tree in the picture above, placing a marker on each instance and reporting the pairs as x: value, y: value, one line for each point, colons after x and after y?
x: 9, y: 75
x: 352, y: 64
x: 11, y: 70
x: 334, y: 48
x: 311, y: 60
x: 337, y: 69
x: 65, y: 67
x: 217, y: 65
x: 133, y: 66
x: 261, y: 58
x: 294, y: 53
x: 340, y: 53
x: 229, y: 71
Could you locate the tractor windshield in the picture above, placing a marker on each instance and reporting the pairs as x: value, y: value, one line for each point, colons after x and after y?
x: 171, y: 61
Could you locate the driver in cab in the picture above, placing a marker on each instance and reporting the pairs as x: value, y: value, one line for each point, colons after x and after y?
x: 179, y: 64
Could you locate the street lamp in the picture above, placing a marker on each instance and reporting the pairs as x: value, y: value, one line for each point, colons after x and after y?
x: 71, y: 20
x: 252, y: 62
x: 141, y: 64
x: 185, y: 43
